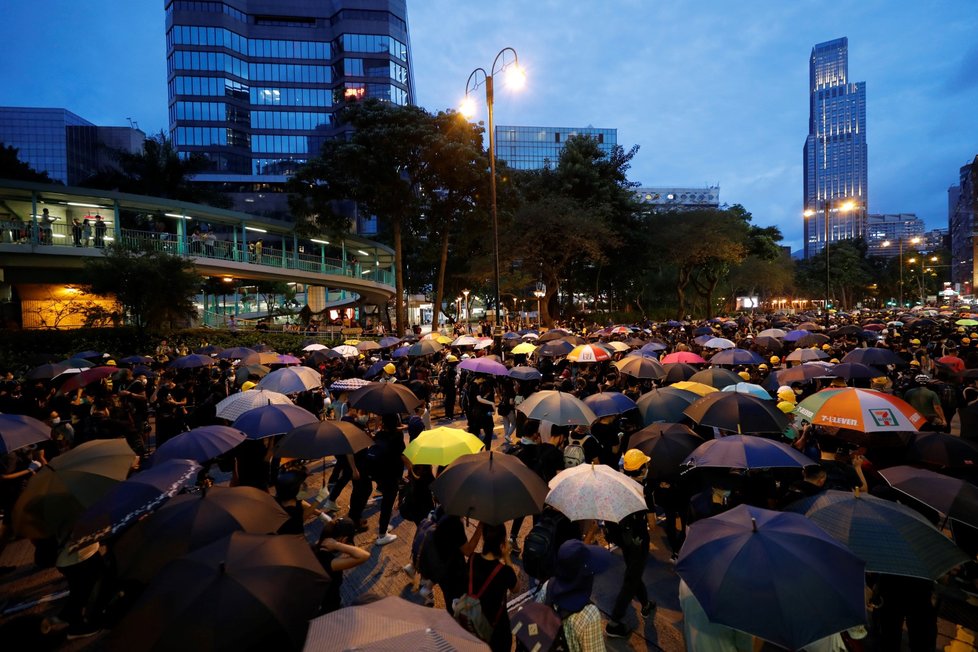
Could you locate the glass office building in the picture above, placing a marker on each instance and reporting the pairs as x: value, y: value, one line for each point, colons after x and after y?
x: 533, y: 148
x: 253, y: 85
x: 835, y: 153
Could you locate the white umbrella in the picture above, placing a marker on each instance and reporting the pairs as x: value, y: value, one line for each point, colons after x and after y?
x: 595, y: 492
x: 465, y: 340
x: 315, y: 346
x: 237, y: 404
x: 772, y: 332
x: 289, y: 380
x: 484, y: 343
x: 347, y: 351
x: 719, y: 343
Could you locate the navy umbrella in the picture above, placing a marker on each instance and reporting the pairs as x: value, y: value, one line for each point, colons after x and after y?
x: 136, y: 359
x: 200, y: 444
x: 702, y: 330
x: 746, y: 452
x: 665, y: 404
x: 384, y: 398
x: 246, y: 355
x: 651, y: 355
x: 84, y: 355
x: 375, y: 369
x: 192, y: 361
x: 18, y: 430
x: 655, y: 346
x: 736, y: 357
x: 942, y: 450
x: 46, y: 371
x: 423, y: 348
x: 851, y: 371
x: 400, y: 352
x: 210, y: 349
x: 605, y: 404
x: 748, y: 567
x: 274, y: 419
x: 891, y: 538
x: 874, y: 356
x: 952, y: 497
x: 555, y: 349
x: 795, y: 335
x: 388, y: 342
x: 525, y: 373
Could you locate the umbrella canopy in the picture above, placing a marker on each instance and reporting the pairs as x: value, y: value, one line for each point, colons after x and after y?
x: 736, y: 357
x: 677, y: 372
x: 242, y: 353
x: 347, y: 351
x: 19, y: 430
x: 245, y: 591
x: 391, y: 623
x: 944, y: 450
x: 776, y: 333
x: 891, y: 538
x: 813, y: 339
x: 795, y: 335
x: 317, y: 439
x: 489, y: 487
x: 746, y: 452
x: 616, y: 346
x: 245, y: 371
x: 290, y: 380
x: 192, y: 361
x: 525, y: 373
x: 68, y: 485
x: 388, y: 342
x: 800, y: 374
x: 595, y: 491
x: 190, y: 521
x: 806, y: 355
x: 271, y: 420
x: 719, y: 343
x: 282, y: 359
x: 138, y: 494
x: 200, y: 444
x: 79, y: 363
x: 384, y: 398
x: 46, y: 371
x: 654, y: 346
x: 442, y: 446
x: 315, y: 346
x: 952, y: 497
x: 323, y: 356
x: 740, y: 413
x: 715, y: 377
x: 768, y: 344
x: 773, y: 557
x: 87, y: 377
x: 665, y: 404
x: 874, y: 356
x: 235, y: 405
x: 465, y: 340
x: 423, y: 348
x: 748, y: 388
x: 350, y: 384
x: 863, y: 410
x: 524, y: 348
x: 589, y: 353
x: 368, y: 345
x: 559, y: 408
x: 700, y: 389
x: 555, y: 349
x: 682, y: 356
x: 605, y: 404
x: 640, y: 367
x: 87, y: 354
x: 668, y: 444
x: 484, y: 366
x: 852, y: 371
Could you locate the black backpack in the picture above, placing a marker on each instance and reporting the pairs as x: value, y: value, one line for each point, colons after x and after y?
x: 424, y: 552
x: 540, y: 547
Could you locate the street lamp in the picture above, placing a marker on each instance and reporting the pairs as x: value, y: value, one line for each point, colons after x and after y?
x: 844, y: 207
x: 539, y: 292
x: 515, y: 78
x: 887, y: 243
x: 468, y: 320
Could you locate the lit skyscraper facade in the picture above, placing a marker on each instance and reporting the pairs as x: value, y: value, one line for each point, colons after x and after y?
x: 533, y: 148
x: 253, y: 84
x: 835, y: 154
x: 893, y: 228
x: 962, y: 210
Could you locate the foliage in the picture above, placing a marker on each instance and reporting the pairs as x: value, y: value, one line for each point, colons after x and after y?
x: 154, y: 288
x: 11, y: 167
x: 850, y: 273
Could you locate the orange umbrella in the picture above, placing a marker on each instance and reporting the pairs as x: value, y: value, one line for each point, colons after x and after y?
x: 864, y: 410
x: 589, y: 353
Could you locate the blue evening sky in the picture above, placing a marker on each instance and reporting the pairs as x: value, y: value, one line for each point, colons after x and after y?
x: 713, y: 91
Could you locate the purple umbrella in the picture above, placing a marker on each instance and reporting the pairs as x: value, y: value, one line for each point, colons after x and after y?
x: 484, y: 366
x: 18, y: 430
x: 200, y: 444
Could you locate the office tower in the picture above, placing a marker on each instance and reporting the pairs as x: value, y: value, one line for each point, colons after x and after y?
x: 885, y: 231
x: 533, y: 148
x: 66, y: 146
x: 961, y: 210
x: 669, y: 198
x: 835, y: 153
x: 253, y: 84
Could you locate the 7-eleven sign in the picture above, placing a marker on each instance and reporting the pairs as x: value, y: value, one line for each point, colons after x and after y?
x: 884, y: 417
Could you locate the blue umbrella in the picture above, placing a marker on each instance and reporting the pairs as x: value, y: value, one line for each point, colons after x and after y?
x: 555, y: 349
x: 748, y: 567
x: 672, y: 323
x: 651, y: 355
x: 77, y: 363
x: 511, y: 336
x: 746, y: 452
x: 200, y: 444
x: 736, y: 357
x: 525, y: 373
x: 18, y: 430
x: 274, y: 419
x: 794, y: 336
x: 400, y: 352
x: 192, y: 361
x: 703, y: 330
x: 87, y: 354
x: 748, y: 388
x: 665, y: 404
x: 604, y: 404
x: 654, y: 346
x: 375, y: 369
x: 703, y: 339
x: 851, y: 370
x: 387, y: 342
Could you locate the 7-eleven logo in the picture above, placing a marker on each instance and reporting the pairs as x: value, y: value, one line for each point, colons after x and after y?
x: 884, y: 417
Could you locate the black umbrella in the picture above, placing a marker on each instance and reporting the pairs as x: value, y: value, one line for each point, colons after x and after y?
x: 851, y: 371
x: 843, y: 331
x: 736, y: 412
x: 801, y: 373
x: 489, y: 487
x: 768, y: 345
x: 525, y: 373
x: 813, y: 339
x: 190, y: 521
x: 46, y: 371
x: 874, y: 356
x: 246, y: 355
x: 555, y: 349
x: 665, y: 404
x: 717, y: 377
x: 640, y: 367
x: 954, y: 498
x: 677, y: 372
x: 322, y: 438
x: 200, y: 444
x: 668, y: 444
x: 138, y: 494
x: 384, y: 398
x: 242, y: 592
x: 944, y: 450
x: 18, y: 430
x: 423, y: 348
x: 210, y: 349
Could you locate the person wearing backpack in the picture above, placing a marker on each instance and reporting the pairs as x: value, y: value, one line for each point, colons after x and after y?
x: 482, y: 610
x: 544, y: 539
x: 452, y: 546
x: 569, y: 593
x: 631, y: 534
x: 581, y: 448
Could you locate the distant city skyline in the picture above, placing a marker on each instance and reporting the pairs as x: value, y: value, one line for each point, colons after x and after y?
x: 712, y: 94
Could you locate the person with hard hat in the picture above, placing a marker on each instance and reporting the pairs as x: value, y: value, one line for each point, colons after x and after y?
x: 788, y: 409
x: 632, y: 535
x: 388, y: 375
x: 787, y: 395
x: 248, y: 384
x: 745, y: 376
x: 775, y: 362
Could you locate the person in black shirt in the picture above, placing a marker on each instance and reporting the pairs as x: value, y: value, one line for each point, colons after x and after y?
x: 495, y: 552
x: 336, y: 552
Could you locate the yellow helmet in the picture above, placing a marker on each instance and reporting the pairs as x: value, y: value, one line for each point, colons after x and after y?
x: 787, y: 395
x: 786, y: 406
x: 915, y: 342
x: 389, y: 368
x: 744, y: 375
x: 775, y: 359
x: 762, y: 367
x: 826, y: 347
x: 245, y: 386
x: 634, y: 459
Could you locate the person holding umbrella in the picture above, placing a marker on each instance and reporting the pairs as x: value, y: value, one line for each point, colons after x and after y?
x: 385, y: 466
x: 631, y: 534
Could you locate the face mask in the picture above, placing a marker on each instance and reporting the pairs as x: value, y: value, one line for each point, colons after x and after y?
x: 55, y: 421
x: 363, y: 420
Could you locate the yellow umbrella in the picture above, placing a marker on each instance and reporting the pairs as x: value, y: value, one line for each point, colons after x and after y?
x: 696, y: 388
x: 442, y: 446
x: 524, y: 348
x: 352, y: 342
x: 441, y: 339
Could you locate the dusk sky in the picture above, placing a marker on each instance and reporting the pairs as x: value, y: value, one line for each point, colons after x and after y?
x: 712, y: 91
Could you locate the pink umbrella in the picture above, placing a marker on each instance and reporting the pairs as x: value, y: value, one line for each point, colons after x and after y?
x: 683, y: 356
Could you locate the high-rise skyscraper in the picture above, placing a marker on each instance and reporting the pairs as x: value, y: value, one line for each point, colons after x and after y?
x: 835, y: 154
x: 533, y: 148
x: 962, y: 210
x: 253, y: 84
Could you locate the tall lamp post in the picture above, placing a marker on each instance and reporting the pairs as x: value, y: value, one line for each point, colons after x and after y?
x: 515, y: 78
x: 844, y: 207
x: 539, y: 292
x: 887, y: 243
x: 468, y: 315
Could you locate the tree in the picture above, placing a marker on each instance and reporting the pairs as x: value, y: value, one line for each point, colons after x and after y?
x: 849, y: 271
x: 11, y: 167
x: 154, y: 288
